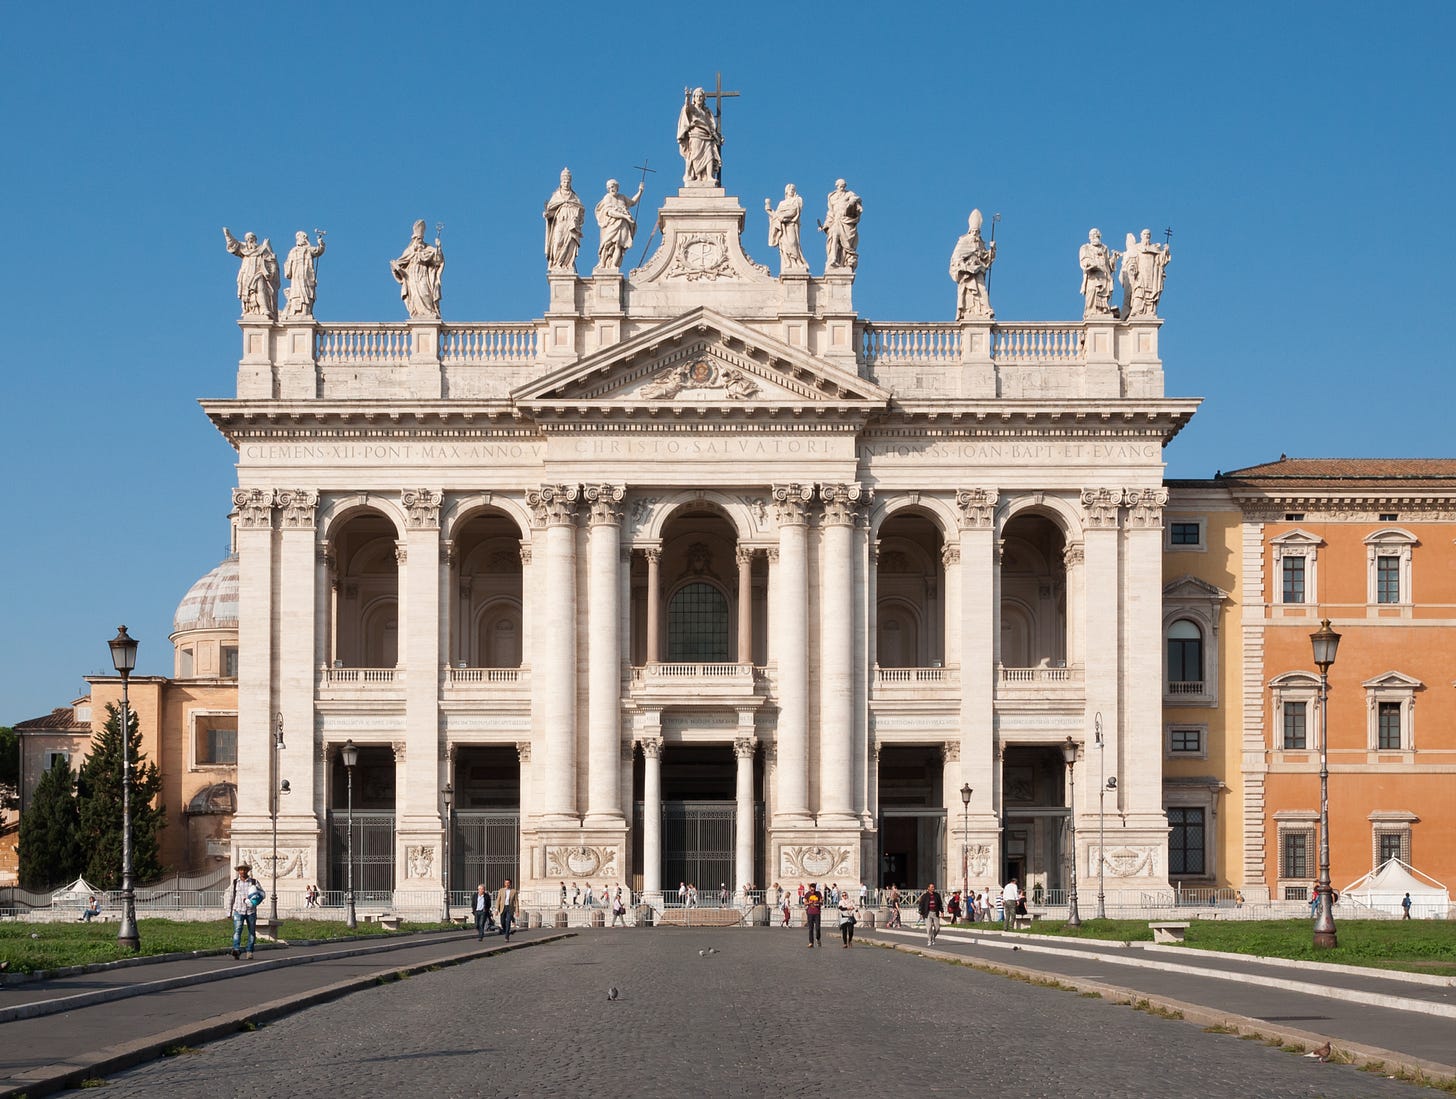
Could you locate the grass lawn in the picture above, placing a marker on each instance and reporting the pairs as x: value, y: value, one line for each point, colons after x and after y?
x: 29, y: 947
x: 1418, y: 946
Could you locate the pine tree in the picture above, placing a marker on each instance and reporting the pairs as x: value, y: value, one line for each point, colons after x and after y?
x: 100, y: 798
x: 50, y: 831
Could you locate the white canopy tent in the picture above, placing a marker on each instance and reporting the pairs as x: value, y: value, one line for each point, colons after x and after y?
x: 79, y: 891
x: 1386, y: 886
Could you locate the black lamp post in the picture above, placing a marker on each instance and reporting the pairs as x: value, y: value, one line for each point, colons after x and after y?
x: 350, y: 755
x: 1326, y: 643
x: 449, y: 795
x: 966, y: 792
x: 123, y: 655
x: 1101, y: 818
x: 278, y: 787
x: 1069, y: 754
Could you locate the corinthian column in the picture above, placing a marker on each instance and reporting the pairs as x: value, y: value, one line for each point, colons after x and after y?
x: 654, y: 559
x: 651, y: 814
x: 791, y: 621
x: 604, y: 656
x: 743, y: 749
x: 419, y: 807
x: 836, y: 653
x: 555, y: 682
x: 744, y: 558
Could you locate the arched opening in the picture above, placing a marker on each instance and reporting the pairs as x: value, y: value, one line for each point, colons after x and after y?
x: 1033, y: 627
x: 698, y: 628
x: 1185, y: 658
x: 910, y: 593
x: 372, y: 820
x: 699, y: 602
x: 366, y: 596
x: 486, y: 621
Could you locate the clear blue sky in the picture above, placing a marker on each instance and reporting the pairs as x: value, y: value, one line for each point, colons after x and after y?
x: 1301, y: 153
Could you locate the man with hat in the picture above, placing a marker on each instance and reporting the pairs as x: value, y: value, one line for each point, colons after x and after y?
x: 243, y: 900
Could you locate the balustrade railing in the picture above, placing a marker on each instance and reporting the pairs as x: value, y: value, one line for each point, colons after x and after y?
x: 694, y: 671
x: 889, y: 677
x: 1186, y: 687
x: 361, y: 344
x: 1031, y: 343
x: 1037, y: 343
x: 359, y: 677
x: 470, y: 677
x: 481, y: 344
x: 1039, y: 675
x: 883, y: 344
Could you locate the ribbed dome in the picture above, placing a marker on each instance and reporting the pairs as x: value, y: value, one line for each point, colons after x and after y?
x: 212, y: 602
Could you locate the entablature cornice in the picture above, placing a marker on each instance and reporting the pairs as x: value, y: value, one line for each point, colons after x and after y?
x: 1072, y: 418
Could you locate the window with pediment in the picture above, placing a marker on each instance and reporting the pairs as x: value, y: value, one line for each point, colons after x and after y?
x: 1388, y: 555
x: 1391, y: 712
x: 1294, y: 711
x: 1192, y: 611
x: 1296, y: 568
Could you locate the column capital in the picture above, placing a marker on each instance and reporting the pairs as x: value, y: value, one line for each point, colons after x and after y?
x: 743, y: 556
x: 399, y: 750
x: 554, y: 505
x: 652, y: 555
x: 1145, y: 507
x: 950, y: 751
x: 254, y: 507
x: 977, y: 507
x: 422, y: 508
x: 772, y: 553
x: 299, y: 507
x: 791, y: 503
x: 1073, y: 554
x: 744, y: 747
x: 950, y: 554
x: 603, y: 502
x: 842, y: 502
x: 525, y: 553
x: 1100, y: 507
x: 401, y: 553
x: 651, y: 747
x: 523, y: 751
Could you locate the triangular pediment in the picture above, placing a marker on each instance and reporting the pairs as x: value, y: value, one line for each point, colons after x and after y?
x: 1393, y: 679
x: 1191, y: 587
x: 702, y: 359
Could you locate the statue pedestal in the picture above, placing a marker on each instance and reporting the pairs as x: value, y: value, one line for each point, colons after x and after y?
x: 562, y: 314
x: 604, y: 306
x: 297, y: 375
x: 426, y: 381
x: 978, y: 371
x: 255, y: 368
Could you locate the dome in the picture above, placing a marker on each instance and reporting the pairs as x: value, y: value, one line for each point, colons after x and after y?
x: 212, y: 602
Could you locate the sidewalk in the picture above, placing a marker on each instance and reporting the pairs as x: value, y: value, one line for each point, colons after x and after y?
x: 1410, y: 1018
x: 56, y: 1032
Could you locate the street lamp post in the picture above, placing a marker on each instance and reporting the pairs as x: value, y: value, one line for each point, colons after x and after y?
x: 350, y: 755
x: 279, y: 787
x: 1326, y: 643
x: 966, y: 792
x: 1069, y: 753
x: 449, y: 794
x: 123, y: 656
x: 1101, y: 819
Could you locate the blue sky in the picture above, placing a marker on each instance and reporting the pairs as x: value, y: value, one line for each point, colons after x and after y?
x: 1302, y: 154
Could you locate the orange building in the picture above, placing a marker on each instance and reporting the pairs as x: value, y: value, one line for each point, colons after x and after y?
x: 1368, y: 544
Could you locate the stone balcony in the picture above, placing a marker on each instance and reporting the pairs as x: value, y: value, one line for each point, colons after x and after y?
x: 1040, y: 685
x: 932, y: 683
x: 465, y: 684
x: 686, y: 682
x: 341, y: 684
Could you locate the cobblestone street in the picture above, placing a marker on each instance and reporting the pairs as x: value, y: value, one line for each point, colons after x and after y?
x: 762, y: 1017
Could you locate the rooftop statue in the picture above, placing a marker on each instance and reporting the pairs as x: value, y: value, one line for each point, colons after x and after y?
x: 1098, y: 263
x: 302, y: 274
x: 699, y: 140
x: 783, y: 230
x: 614, y: 218
x: 841, y: 228
x: 257, y: 274
x: 564, y: 216
x: 418, y: 273
x: 1143, y: 266
x: 970, y: 262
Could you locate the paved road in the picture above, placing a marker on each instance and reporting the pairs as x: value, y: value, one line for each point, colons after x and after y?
x: 763, y: 1017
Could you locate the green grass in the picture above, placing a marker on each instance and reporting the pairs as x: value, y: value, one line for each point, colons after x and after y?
x: 1416, y: 946
x: 30, y: 947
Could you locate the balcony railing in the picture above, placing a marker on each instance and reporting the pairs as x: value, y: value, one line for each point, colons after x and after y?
x: 1036, y: 343
x: 1017, y: 676
x: 475, y: 677
x: 360, y: 677
x: 898, y: 677
x: 1186, y: 687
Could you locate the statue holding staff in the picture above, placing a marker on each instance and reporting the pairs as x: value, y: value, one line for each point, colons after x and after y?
x: 564, y: 216
x: 302, y: 274
x: 970, y: 263
x: 1142, y: 275
x: 257, y: 274
x: 418, y: 272
x: 614, y: 218
x: 699, y: 140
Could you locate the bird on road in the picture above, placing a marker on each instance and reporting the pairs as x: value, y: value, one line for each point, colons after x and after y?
x: 1321, y: 1054
x: 702, y: 953
x: 612, y: 993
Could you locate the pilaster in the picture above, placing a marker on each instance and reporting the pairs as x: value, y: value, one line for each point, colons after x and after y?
x: 791, y: 623
x: 974, y: 618
x: 419, y: 811
x: 297, y: 647
x: 256, y: 704
x: 604, y: 652
x: 554, y: 682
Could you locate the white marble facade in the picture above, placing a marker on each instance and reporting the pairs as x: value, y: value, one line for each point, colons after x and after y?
x: 700, y: 534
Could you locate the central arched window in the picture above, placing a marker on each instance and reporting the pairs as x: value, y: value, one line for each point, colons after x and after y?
x: 697, y: 625
x: 1185, y: 655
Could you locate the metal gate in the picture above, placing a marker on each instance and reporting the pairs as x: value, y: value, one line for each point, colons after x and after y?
x: 484, y: 847
x: 373, y: 855
x: 697, y: 844
x: 911, y: 847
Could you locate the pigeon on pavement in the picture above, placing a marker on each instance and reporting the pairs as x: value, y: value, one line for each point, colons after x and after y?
x: 612, y: 993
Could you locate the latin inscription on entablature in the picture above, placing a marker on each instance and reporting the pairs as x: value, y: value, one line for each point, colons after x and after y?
x: 1060, y: 452
x: 464, y: 723
x: 374, y: 722
x: 393, y: 452
x: 703, y: 448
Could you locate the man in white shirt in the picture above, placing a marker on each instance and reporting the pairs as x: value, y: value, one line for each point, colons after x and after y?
x: 1009, y: 896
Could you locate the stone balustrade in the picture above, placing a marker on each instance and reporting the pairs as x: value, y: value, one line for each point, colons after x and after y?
x: 1031, y: 344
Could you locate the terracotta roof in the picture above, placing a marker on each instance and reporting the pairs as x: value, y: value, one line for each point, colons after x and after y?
x: 1439, y: 472
x: 62, y: 718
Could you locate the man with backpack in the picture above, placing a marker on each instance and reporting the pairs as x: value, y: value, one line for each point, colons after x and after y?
x: 243, y: 900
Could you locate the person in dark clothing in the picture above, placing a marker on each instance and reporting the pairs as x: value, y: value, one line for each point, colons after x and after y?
x: 931, y: 906
x: 480, y: 908
x: 813, y: 910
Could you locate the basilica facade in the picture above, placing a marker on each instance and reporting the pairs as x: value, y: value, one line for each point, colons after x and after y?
x: 700, y: 576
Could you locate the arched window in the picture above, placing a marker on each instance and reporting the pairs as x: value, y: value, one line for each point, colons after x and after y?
x: 697, y: 625
x: 1185, y: 657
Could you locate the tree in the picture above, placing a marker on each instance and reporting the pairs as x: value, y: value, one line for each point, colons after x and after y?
x: 50, y: 831
x: 100, y: 798
x: 9, y: 767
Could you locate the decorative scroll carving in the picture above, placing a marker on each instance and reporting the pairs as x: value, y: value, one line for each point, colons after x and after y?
x: 523, y: 751
x: 978, y: 859
x: 553, y: 505
x: 582, y: 861
x: 757, y: 506
x: 292, y: 861
x: 419, y: 861
x: 1073, y: 554
x: 525, y: 553
x: 398, y: 748
x: 1127, y: 862
x: 841, y: 502
x: 701, y: 378
x: 950, y: 751
x: 299, y: 507
x: 1145, y: 507
x: 950, y: 555
x: 791, y: 503
x: 254, y: 507
x: 977, y: 507
x: 1100, y: 506
x: 815, y: 862
x: 401, y: 553
x: 744, y: 747
x: 603, y: 502
x: 700, y: 257
x: 651, y: 747
x: 422, y: 508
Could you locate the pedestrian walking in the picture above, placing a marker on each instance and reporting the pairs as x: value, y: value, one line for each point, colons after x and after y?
x: 931, y: 906
x: 619, y: 909
x: 784, y: 905
x: 1405, y: 907
x: 846, y: 919
x: 480, y: 908
x: 587, y: 900
x: 813, y: 909
x: 505, y: 903
x: 893, y: 903
x: 1010, y: 897
x: 243, y: 900
x: 563, y: 894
